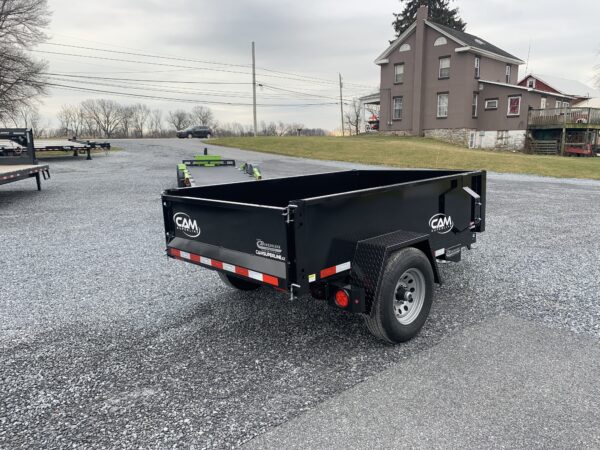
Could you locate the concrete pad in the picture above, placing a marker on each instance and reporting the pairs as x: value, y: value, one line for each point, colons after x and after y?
x: 506, y: 383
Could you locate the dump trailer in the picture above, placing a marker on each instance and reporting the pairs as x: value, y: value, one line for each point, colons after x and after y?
x: 19, y: 162
x: 365, y: 241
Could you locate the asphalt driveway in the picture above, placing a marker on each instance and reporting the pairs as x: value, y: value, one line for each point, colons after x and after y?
x: 107, y: 343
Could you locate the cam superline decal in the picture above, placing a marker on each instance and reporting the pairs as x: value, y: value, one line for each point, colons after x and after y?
x: 441, y: 224
x: 267, y: 250
x: 186, y: 225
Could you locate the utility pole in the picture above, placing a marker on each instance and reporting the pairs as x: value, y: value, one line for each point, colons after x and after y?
x: 341, y: 104
x: 254, y: 87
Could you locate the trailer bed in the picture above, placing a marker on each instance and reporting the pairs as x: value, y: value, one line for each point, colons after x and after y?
x: 16, y: 172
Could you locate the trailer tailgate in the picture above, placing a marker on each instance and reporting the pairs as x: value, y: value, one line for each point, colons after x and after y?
x: 250, y: 241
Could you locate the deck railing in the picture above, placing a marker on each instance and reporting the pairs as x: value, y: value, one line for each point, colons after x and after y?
x: 564, y: 116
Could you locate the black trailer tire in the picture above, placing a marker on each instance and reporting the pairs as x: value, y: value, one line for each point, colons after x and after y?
x: 238, y: 283
x: 404, y: 299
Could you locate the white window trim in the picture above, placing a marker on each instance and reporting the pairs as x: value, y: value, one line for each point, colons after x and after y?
x: 440, y: 67
x: 531, y: 79
x: 508, y: 113
x: 487, y: 103
x: 477, y: 66
x: 508, y: 72
x: 440, y: 116
x: 404, y: 48
x: 396, y: 75
x: 394, y: 107
x: 440, y: 41
x: 475, y: 105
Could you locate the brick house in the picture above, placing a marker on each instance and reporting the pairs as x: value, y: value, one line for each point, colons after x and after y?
x: 450, y: 85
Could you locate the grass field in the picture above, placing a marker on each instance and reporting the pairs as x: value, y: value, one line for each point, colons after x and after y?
x: 417, y: 152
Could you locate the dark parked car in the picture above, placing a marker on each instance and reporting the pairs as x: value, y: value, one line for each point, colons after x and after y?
x: 195, y: 132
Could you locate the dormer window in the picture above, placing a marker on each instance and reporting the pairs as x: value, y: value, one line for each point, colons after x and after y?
x: 404, y: 48
x: 440, y: 41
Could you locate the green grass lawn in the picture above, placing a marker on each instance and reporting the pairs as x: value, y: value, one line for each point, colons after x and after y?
x: 417, y: 152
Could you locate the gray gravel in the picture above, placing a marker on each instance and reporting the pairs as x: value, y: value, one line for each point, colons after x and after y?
x: 106, y: 342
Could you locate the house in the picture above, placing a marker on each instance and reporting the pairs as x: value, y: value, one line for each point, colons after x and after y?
x: 557, y: 85
x: 454, y: 86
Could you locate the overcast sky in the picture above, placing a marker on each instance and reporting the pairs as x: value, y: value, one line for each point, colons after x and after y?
x: 310, y: 38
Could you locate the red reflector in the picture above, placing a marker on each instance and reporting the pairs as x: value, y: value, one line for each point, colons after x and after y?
x: 241, y: 271
x: 328, y: 272
x: 270, y: 280
x: 342, y: 298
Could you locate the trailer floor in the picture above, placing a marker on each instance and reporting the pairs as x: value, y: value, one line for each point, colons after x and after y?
x: 107, y: 343
x: 218, y: 174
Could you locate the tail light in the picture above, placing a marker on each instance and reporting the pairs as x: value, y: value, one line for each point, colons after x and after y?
x: 342, y: 298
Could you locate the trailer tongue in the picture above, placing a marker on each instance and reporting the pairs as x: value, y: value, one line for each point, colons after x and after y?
x: 366, y: 241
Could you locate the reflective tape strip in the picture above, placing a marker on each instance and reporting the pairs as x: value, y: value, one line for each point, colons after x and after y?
x: 440, y: 252
x: 198, y: 259
x: 334, y: 270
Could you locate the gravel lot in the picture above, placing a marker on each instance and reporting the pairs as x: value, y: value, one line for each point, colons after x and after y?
x: 107, y: 343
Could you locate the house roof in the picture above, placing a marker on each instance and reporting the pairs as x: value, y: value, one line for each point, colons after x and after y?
x: 565, y: 86
x: 469, y: 42
x: 476, y: 43
x: 524, y: 88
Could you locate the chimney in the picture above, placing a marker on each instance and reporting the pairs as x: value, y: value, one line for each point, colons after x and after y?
x: 422, y: 13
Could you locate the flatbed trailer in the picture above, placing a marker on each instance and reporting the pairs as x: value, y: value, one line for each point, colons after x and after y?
x: 21, y: 164
x: 366, y: 241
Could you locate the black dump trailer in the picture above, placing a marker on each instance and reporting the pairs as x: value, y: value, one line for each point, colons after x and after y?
x: 366, y: 241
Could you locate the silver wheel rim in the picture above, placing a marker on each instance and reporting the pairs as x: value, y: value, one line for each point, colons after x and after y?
x: 409, y: 296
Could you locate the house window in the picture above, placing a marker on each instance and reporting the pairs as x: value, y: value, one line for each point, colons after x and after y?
x: 399, y: 73
x: 477, y: 64
x: 398, y: 104
x: 514, y: 106
x: 440, y: 41
x: 404, y: 48
x: 508, y: 68
x: 557, y: 104
x: 565, y: 104
x: 442, y: 105
x: 474, y: 104
x: 491, y: 103
x: 445, y: 67
x: 543, y: 103
x: 531, y: 83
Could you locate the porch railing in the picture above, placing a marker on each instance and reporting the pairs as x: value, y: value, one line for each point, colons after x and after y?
x: 564, y: 116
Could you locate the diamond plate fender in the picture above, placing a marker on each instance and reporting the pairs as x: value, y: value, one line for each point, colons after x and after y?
x: 371, y: 255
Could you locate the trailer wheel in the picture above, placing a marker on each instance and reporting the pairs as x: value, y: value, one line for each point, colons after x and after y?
x: 238, y: 283
x: 405, y: 296
x: 190, y: 136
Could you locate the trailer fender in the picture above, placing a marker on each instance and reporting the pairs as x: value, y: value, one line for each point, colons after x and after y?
x: 371, y: 255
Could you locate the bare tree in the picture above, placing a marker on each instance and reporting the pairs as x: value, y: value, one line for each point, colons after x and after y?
x: 179, y: 118
x: 202, y: 115
x: 353, y: 116
x: 105, y: 114
x: 126, y: 113
x: 156, y: 122
x: 21, y: 78
x: 141, y: 114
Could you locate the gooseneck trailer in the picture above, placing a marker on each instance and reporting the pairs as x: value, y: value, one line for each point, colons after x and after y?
x: 18, y: 163
x: 366, y: 241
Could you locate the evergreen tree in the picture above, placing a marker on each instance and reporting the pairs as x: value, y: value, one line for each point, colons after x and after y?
x: 439, y: 12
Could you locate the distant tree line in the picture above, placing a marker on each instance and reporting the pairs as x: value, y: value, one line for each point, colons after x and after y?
x: 105, y: 118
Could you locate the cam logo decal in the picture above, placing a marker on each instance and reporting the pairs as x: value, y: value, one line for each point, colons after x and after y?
x: 186, y: 225
x: 272, y: 251
x: 441, y: 224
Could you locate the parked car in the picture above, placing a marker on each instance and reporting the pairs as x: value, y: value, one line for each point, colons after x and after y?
x: 195, y: 132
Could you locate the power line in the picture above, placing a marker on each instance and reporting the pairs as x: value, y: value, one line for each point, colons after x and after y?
x: 153, y: 97
x: 146, y: 80
x: 145, y: 55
